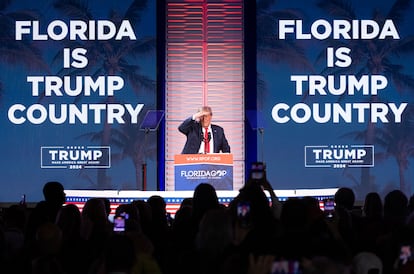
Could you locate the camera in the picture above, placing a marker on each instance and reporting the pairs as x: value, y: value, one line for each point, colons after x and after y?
x: 119, y: 223
x: 329, y: 208
x: 286, y: 267
x: 406, y: 254
x: 243, y: 214
x: 257, y: 171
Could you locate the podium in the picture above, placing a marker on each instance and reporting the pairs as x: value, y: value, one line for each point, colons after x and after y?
x: 192, y: 169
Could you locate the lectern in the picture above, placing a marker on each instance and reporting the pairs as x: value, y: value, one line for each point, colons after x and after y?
x: 192, y: 169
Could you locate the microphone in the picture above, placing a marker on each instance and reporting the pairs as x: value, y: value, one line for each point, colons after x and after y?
x: 208, y: 137
x: 203, y: 139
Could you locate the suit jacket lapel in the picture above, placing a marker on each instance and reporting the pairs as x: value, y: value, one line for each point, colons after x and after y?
x: 200, y: 134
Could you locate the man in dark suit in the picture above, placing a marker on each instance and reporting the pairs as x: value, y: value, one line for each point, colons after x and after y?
x: 202, y: 136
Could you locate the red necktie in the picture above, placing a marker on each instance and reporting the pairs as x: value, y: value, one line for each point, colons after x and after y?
x: 206, y: 141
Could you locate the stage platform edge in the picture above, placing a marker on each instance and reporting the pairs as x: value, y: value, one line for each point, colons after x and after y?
x: 173, y: 199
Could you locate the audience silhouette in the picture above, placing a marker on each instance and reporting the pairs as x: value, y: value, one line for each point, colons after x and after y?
x: 254, y: 234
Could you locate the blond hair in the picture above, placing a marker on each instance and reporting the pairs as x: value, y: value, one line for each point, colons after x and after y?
x: 206, y: 108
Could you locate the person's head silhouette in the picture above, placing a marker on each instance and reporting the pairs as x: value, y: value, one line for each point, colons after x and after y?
x: 54, y: 193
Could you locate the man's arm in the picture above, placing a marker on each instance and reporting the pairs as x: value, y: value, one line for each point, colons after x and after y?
x: 276, y: 204
x: 225, y: 146
x: 222, y: 143
x: 186, y: 125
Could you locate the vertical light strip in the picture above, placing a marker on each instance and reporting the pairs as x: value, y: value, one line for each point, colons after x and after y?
x: 205, y: 53
x: 204, y: 66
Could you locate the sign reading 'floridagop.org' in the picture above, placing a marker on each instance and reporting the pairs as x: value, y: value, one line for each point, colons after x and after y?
x: 193, y: 169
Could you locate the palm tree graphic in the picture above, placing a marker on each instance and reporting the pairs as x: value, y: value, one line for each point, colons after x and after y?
x: 133, y: 143
x: 110, y: 57
x: 17, y: 52
x: 373, y: 57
